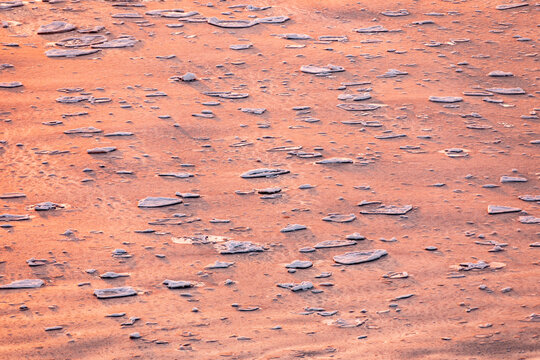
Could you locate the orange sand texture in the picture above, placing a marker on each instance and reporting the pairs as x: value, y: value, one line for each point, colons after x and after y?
x: 442, y: 158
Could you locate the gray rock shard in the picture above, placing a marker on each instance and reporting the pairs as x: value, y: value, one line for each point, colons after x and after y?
x: 445, y: 99
x: 239, y: 247
x: 101, y: 150
x: 299, y: 264
x: 340, y: 218
x: 54, y: 53
x: 388, y: 210
x: 153, y: 202
x: 293, y: 227
x: 334, y: 243
x: 56, y: 27
x: 496, y: 209
x: 10, y: 85
x: 10, y: 217
x: 114, y: 292
x: 24, y: 284
x: 310, y: 69
x: 180, y: 284
x: 359, y: 107
x: 263, y: 172
x: 357, y: 257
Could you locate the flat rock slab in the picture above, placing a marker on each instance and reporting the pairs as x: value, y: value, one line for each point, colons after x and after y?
x: 226, y: 94
x: 400, y: 12
x: 511, y: 179
x: 24, y: 284
x: 153, y: 202
x: 499, y: 73
x: 263, y: 172
x: 340, y: 218
x: 303, y: 286
x: 10, y: 85
x: 10, y: 217
x: 445, y: 99
x: 496, y: 209
x: 511, y: 6
x: 240, y: 46
x: 114, y: 292
x: 372, y: 29
x: 359, y: 107
x: 335, y: 161
x: 310, y: 69
x: 84, y: 130
x: 116, y: 43
x: 6, y: 5
x: 180, y: 284
x: 507, y: 91
x: 388, y: 210
x: 56, y: 27
x: 113, y: 275
x: 299, y: 264
x: 293, y: 227
x: 334, y: 243
x: 178, y: 175
x: 81, y: 41
x: 231, y: 24
x: 101, y: 150
x: 219, y: 265
x: 68, y: 53
x: 12, y: 195
x: 521, y: 197
x: 357, y: 257
x: 239, y: 247
x: 529, y: 220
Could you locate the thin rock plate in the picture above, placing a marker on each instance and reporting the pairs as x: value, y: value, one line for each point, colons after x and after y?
x: 54, y: 53
x: 357, y: 257
x: 114, y: 292
x: 153, y: 202
x: 24, y: 284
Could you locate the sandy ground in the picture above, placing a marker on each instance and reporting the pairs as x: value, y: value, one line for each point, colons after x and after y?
x: 452, y: 313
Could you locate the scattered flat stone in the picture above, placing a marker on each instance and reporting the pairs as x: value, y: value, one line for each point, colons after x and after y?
x: 392, y: 73
x: 340, y: 38
x: 116, y: 43
x: 335, y: 161
x: 7, y: 5
x: 114, y: 292
x: 226, y: 94
x: 334, y: 243
x: 340, y: 218
x: 127, y: 16
x: 46, y: 206
x: 54, y: 53
x: 180, y: 284
x: 521, y: 197
x: 357, y: 257
x: 13, y: 195
x: 153, y: 202
x: 231, y: 24
x: 10, y: 217
x: 240, y: 46
x: 101, y: 150
x: 24, y: 284
x: 299, y: 264
x: 499, y: 73
x: 511, y: 6
x: 84, y: 130
x: 263, y: 172
x: 292, y: 36
x: 480, y: 265
x: 310, y: 69
x: 529, y: 220
x: 396, y: 275
x: 507, y: 91
x: 388, y: 210
x: 178, y: 175
x: 81, y: 41
x: 355, y: 236
x: 303, y: 286
x: 400, y: 12
x: 113, y: 275
x: 10, y: 85
x: 445, y: 99
x: 256, y: 111
x: 119, y: 133
x: 56, y: 27
x: 219, y: 265
x: 372, y: 29
x: 359, y: 107
x: 293, y: 227
x: 512, y: 179
x: 239, y: 247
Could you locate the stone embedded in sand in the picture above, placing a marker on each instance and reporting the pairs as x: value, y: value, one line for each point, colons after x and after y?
x: 24, y: 284
x: 113, y: 275
x: 445, y: 99
x: 334, y: 243
x: 335, y: 161
x: 512, y: 179
x: 392, y: 73
x: 271, y: 190
x: 114, y: 292
x: 511, y: 6
x: 355, y: 236
x: 6, y: 5
x: 256, y: 111
x: 116, y: 43
x: 299, y: 264
x: 69, y: 52
x: 480, y: 265
x: 84, y: 130
x: 357, y: 257
x: 127, y: 16
x: 455, y: 152
x: 178, y: 175
x: 119, y: 133
x: 153, y: 202
x: 73, y: 99
x: 219, y: 265
x: 499, y: 73
x: 239, y: 247
x: 10, y: 85
x: 226, y: 94
x: 240, y: 46
x: 56, y: 27
x: 46, y: 206
x: 396, y: 275
x: 12, y: 195
x: 178, y: 15
x: 303, y: 286
x: 400, y: 12
x: 272, y: 20
x: 389, y: 136
x: 10, y: 217
x: 372, y: 29
x: 81, y: 41
x: 507, y: 91
x: 180, y: 284
x: 293, y: 227
x: 521, y: 197
x: 90, y: 30
x: 293, y: 36
x: 359, y: 107
x: 340, y: 218
x: 101, y: 150
x: 496, y: 209
x: 263, y: 172
x: 310, y: 69
x: 232, y: 24
x: 388, y: 210
x: 529, y: 220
